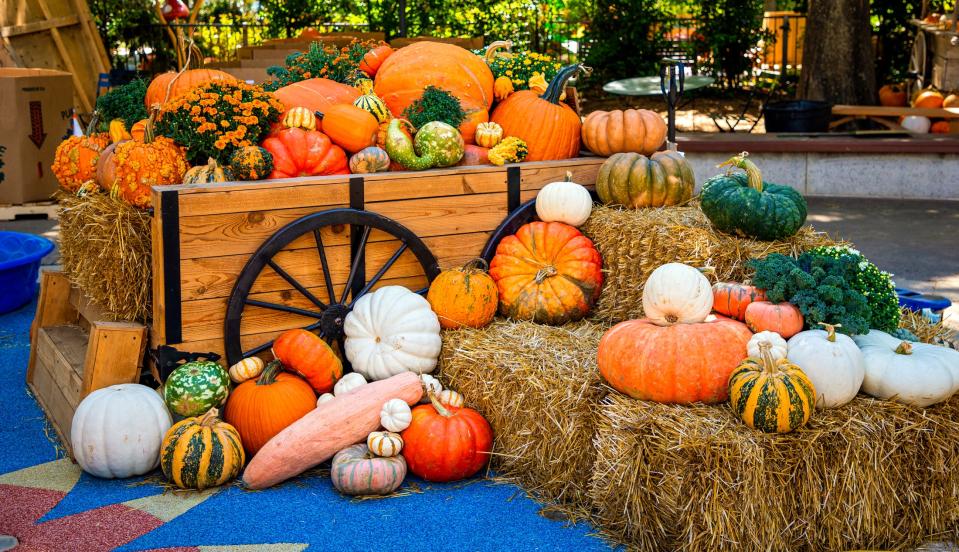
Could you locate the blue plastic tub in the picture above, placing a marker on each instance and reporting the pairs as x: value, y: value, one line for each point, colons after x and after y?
x: 20, y: 256
x: 913, y: 300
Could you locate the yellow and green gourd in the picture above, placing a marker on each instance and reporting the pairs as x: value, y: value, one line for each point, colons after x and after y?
x: 198, y: 453
x: 209, y: 173
x: 251, y: 163
x: 374, y: 105
x: 369, y: 160
x: 774, y: 396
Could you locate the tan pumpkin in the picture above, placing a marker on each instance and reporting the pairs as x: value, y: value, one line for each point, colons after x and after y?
x: 633, y: 130
x: 300, y: 117
x: 369, y: 160
x: 488, y: 134
x: 634, y: 180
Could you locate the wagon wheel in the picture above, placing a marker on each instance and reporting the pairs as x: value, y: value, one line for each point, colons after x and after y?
x: 329, y: 306
x: 917, y: 64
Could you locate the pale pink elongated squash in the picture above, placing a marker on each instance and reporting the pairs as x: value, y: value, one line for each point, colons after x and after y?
x: 333, y: 426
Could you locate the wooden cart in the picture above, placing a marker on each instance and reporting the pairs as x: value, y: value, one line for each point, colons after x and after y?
x: 236, y: 264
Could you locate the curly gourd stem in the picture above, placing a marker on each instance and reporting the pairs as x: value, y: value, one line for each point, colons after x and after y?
x: 558, y: 84
x: 440, y: 408
x: 769, y: 365
x: 92, y: 127
x: 268, y: 376
x: 753, y: 173
x: 831, y: 329
x: 495, y: 47
x: 904, y: 348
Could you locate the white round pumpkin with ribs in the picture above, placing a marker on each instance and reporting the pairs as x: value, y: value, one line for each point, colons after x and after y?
x: 677, y: 294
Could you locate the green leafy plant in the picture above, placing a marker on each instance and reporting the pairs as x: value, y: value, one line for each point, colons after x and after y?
x: 124, y: 102
x: 729, y: 34
x: 876, y: 285
x: 435, y: 104
x: 321, y: 60
x: 625, y: 37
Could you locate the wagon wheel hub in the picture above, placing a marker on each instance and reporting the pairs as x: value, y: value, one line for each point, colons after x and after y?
x: 331, y: 324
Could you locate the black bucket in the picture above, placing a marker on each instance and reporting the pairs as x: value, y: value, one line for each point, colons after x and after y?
x: 798, y: 116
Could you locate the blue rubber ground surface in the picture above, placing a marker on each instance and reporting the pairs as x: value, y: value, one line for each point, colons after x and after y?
x: 478, y: 515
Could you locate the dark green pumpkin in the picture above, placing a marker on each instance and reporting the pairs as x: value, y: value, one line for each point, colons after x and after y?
x: 636, y: 181
x: 203, y: 452
x: 251, y: 163
x: 744, y: 205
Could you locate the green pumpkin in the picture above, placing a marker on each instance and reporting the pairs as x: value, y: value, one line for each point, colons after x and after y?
x: 744, y: 205
x: 636, y: 181
x: 209, y: 173
x: 196, y: 387
x: 374, y: 105
x: 769, y: 395
x: 369, y: 160
x: 441, y: 141
x: 199, y: 453
x: 251, y: 163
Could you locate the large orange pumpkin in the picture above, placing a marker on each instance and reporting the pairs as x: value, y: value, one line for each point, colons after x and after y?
x: 633, y: 130
x: 316, y: 94
x: 731, y: 298
x: 168, y: 86
x: 350, y: 127
x: 547, y: 272
x: 681, y: 363
x: 782, y: 318
x: 134, y: 167
x: 892, y: 95
x: 306, y: 354
x: 929, y: 98
x: 75, y: 160
x: 550, y: 128
x: 298, y: 152
x: 464, y: 297
x: 446, y: 443
x: 262, y: 408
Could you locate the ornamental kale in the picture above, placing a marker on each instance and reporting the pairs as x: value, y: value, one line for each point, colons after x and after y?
x: 819, y: 285
x: 124, y: 102
x: 876, y: 285
x: 435, y: 104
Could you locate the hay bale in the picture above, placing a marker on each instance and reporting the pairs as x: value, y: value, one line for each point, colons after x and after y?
x: 871, y: 474
x: 538, y: 387
x: 633, y: 242
x: 926, y: 331
x: 106, y: 251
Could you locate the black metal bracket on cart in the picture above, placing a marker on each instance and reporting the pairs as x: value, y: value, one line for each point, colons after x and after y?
x: 167, y: 359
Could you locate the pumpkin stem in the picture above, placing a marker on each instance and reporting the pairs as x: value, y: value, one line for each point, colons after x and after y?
x: 766, y: 356
x: 904, y: 348
x: 558, y: 84
x: 497, y: 46
x: 440, y: 408
x: 478, y: 264
x: 92, y: 127
x: 569, y: 176
x: 210, y: 417
x: 148, y: 133
x: 546, y: 272
x: 753, y: 173
x: 831, y: 328
x: 269, y: 373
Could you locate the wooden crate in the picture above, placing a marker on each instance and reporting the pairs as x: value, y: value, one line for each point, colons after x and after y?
x: 75, y: 350
x: 203, y: 235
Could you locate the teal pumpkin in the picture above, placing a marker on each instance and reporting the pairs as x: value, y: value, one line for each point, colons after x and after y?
x: 196, y: 387
x: 435, y: 145
x: 744, y: 205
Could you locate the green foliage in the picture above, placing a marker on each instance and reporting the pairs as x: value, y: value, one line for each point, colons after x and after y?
x: 625, y: 38
x: 520, y: 66
x: 124, y: 102
x: 729, y: 34
x: 135, y: 25
x: 891, y: 28
x: 877, y: 286
x: 819, y: 285
x: 320, y: 60
x: 435, y: 104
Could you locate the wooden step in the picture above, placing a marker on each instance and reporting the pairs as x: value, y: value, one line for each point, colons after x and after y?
x: 35, y: 210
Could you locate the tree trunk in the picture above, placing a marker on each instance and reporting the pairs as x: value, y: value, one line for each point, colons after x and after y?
x: 839, y: 65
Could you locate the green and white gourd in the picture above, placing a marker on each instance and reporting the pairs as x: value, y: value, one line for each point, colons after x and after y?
x: 436, y: 144
x: 832, y: 362
x: 196, y: 387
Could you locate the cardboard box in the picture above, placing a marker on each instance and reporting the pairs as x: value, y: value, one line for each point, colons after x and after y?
x: 37, y: 105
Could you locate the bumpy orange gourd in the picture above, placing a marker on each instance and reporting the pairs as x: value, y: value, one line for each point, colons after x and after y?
x: 445, y: 443
x: 348, y: 126
x: 306, y: 354
x: 680, y: 363
x: 316, y: 94
x: 782, y: 318
x: 551, y: 129
x: 261, y: 408
x: 298, y: 152
x: 464, y: 297
x: 547, y: 272
x: 169, y: 86
x: 633, y: 130
x: 75, y: 160
x: 731, y: 299
x: 137, y: 166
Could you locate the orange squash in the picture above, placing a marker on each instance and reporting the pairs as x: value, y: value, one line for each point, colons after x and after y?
x: 952, y: 100
x: 75, y: 160
x: 316, y: 94
x: 929, y: 98
x: 306, y: 354
x: 731, y: 298
x: 940, y: 127
x: 350, y: 127
x: 464, y: 297
x: 134, y: 167
x: 633, y: 130
x: 681, y: 363
x: 550, y: 128
x: 782, y: 318
x: 374, y: 58
x: 474, y: 155
x: 168, y: 86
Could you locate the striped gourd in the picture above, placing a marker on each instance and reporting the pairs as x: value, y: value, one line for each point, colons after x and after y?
x: 373, y: 104
x: 356, y: 471
x: 774, y: 396
x: 196, y: 387
x: 201, y: 452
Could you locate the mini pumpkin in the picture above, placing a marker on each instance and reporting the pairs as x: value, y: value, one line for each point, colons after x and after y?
x: 448, y: 397
x: 369, y: 160
x: 777, y: 345
x: 677, y: 294
x: 731, y: 298
x: 299, y: 117
x: 384, y: 443
x: 769, y: 395
x: 348, y: 382
x: 782, y: 318
x: 210, y: 173
x: 488, y: 134
x: 395, y: 415
x: 246, y: 369
x: 564, y: 201
x: 325, y: 397
x: 464, y: 297
x: 204, y: 452
x: 251, y: 163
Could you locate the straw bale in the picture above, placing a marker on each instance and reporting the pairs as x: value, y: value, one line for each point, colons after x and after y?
x: 926, y: 331
x: 870, y: 474
x: 106, y: 250
x: 538, y: 387
x: 633, y: 242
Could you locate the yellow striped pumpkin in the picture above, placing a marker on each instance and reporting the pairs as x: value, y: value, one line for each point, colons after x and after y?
x: 201, y: 452
x: 774, y: 396
x: 300, y: 117
x: 375, y: 105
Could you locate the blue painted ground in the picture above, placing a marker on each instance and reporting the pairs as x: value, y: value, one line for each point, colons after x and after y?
x: 478, y: 515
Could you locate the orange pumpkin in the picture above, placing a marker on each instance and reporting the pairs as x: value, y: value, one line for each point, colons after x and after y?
x: 350, y: 127
x: 952, y: 100
x: 316, y: 94
x: 633, y: 130
x: 474, y: 155
x: 445, y: 443
x: 782, y: 318
x: 680, y: 363
x: 262, y: 408
x: 75, y: 160
x: 306, y: 354
x: 138, y: 129
x: 547, y: 272
x: 374, y: 58
x: 731, y: 299
x: 464, y: 297
x: 298, y: 152
x: 892, y: 95
x: 929, y: 98
x: 551, y: 129
x: 135, y: 167
x: 168, y: 86
x: 941, y: 127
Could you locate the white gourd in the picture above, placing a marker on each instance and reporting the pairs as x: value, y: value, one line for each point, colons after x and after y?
x: 325, y: 397
x: 384, y: 443
x: 833, y: 363
x: 396, y: 415
x: 117, y: 431
x: 246, y: 369
x: 348, y: 383
x: 916, y: 123
x: 448, y: 397
x: 919, y: 374
x: 564, y: 201
x: 391, y: 331
x: 430, y: 385
x: 677, y: 294
x: 777, y: 345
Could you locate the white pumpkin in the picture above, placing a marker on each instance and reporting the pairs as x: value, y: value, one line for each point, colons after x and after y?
x: 833, y: 363
x: 564, y: 201
x: 117, y: 431
x: 348, y: 383
x: 448, y: 397
x: 246, y: 369
x: 777, y: 345
x: 430, y: 385
x: 396, y: 415
x: 912, y: 373
x: 325, y: 397
x: 391, y: 331
x: 916, y: 123
x: 384, y: 443
x: 677, y: 294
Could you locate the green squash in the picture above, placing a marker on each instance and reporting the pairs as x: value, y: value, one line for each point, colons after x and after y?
x: 744, y: 205
x: 636, y: 181
x: 196, y: 387
x: 251, y: 163
x: 435, y: 145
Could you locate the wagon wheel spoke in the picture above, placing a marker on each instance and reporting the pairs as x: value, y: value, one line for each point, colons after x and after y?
x: 422, y: 291
x: 293, y: 282
x: 341, y: 341
x: 269, y: 344
x: 284, y: 308
x: 379, y: 274
x: 326, y: 266
x: 359, y: 258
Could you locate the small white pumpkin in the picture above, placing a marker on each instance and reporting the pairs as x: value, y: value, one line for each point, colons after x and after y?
x: 833, y: 363
x: 677, y: 294
x: 391, y: 331
x: 246, y: 369
x: 348, y: 383
x: 384, y: 443
x: 777, y: 345
x: 325, y: 397
x: 430, y: 385
x: 117, y: 431
x: 919, y: 374
x: 916, y: 123
x: 448, y: 397
x: 396, y: 415
x: 564, y: 201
